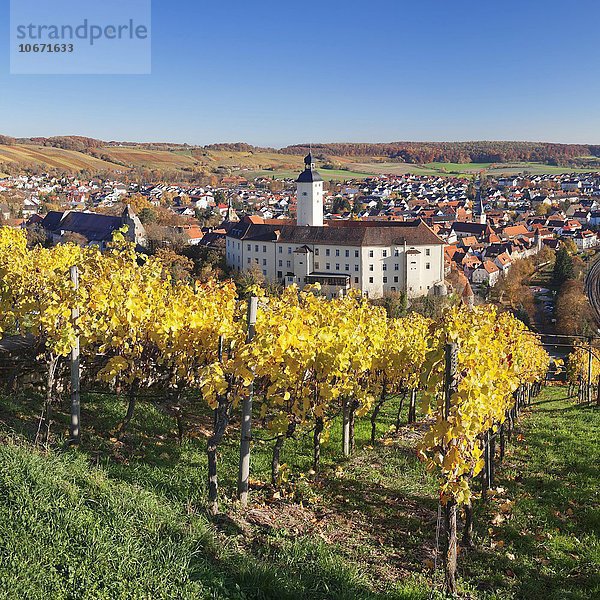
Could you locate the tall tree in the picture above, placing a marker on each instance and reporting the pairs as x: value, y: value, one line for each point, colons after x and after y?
x: 563, y: 267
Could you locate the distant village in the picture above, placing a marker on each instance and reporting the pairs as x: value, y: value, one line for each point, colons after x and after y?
x: 485, y: 225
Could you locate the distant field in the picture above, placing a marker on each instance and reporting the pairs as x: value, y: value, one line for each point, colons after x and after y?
x: 257, y: 164
x: 57, y: 158
x: 461, y: 169
x: 152, y: 159
x: 327, y: 174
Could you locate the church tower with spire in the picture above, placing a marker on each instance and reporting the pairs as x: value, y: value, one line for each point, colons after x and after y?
x: 479, y: 208
x: 309, y: 195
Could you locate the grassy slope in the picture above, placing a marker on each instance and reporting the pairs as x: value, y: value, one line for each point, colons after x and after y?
x: 26, y: 155
x: 126, y: 521
x: 459, y: 169
x: 152, y: 159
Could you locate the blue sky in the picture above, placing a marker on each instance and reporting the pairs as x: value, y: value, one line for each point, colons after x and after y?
x: 277, y: 73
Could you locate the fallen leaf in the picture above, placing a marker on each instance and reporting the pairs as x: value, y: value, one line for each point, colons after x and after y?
x: 498, y: 519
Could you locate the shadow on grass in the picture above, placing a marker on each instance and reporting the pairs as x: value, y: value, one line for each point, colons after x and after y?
x: 551, y: 538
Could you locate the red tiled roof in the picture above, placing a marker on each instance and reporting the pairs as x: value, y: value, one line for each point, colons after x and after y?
x: 490, y: 267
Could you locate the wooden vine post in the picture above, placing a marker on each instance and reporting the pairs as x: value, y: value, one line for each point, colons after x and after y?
x: 220, y: 421
x: 346, y: 427
x: 75, y: 428
x: 244, y: 468
x: 450, y: 506
x: 589, y: 373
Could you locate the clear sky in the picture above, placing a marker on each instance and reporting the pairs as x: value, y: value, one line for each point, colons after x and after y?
x: 280, y: 72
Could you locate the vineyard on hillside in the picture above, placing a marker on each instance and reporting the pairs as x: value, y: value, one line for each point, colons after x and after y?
x: 294, y: 363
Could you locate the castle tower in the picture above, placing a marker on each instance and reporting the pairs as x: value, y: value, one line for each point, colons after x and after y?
x: 309, y: 191
x: 135, y: 230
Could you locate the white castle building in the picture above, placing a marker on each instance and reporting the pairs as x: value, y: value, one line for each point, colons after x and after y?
x: 377, y: 257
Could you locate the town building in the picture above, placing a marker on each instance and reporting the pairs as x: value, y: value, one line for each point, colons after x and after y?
x: 372, y: 256
x: 93, y: 228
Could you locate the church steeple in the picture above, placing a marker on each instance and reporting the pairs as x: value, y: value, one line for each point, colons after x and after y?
x: 309, y: 164
x: 478, y: 206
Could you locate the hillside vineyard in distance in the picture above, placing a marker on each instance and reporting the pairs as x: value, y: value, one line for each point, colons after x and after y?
x: 374, y: 257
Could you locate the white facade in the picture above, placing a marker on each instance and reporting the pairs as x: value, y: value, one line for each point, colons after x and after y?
x: 483, y: 275
x: 376, y: 270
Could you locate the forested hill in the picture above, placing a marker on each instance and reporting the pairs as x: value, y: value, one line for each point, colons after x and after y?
x: 456, y: 152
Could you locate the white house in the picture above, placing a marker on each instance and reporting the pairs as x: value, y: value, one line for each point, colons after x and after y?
x: 584, y: 240
x: 375, y: 257
x: 488, y: 273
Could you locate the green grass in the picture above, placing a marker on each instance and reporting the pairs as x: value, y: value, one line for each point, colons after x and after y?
x: 126, y: 520
x: 326, y: 174
x: 551, y: 536
x: 462, y: 169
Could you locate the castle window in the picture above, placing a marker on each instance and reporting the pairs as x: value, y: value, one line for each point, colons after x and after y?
x: 337, y: 266
x: 396, y: 267
x: 264, y: 248
x: 256, y: 248
x: 316, y: 252
x: 396, y: 252
x: 395, y: 280
x: 384, y: 267
x: 288, y: 264
x: 385, y: 280
x: 370, y: 280
x: 248, y: 260
x: 249, y: 247
x: 356, y: 267
x: 327, y: 252
x: 347, y: 253
x: 280, y: 249
x: 347, y: 267
x: 304, y: 194
x: 427, y: 252
x: 428, y: 265
x: 289, y: 249
x: 384, y: 253
x: 337, y: 252
x: 264, y: 262
x: 356, y: 280
x: 371, y: 268
x: 281, y: 263
x: 327, y: 266
x: 316, y: 265
x: 356, y: 254
x: 279, y: 274
x: 370, y: 253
